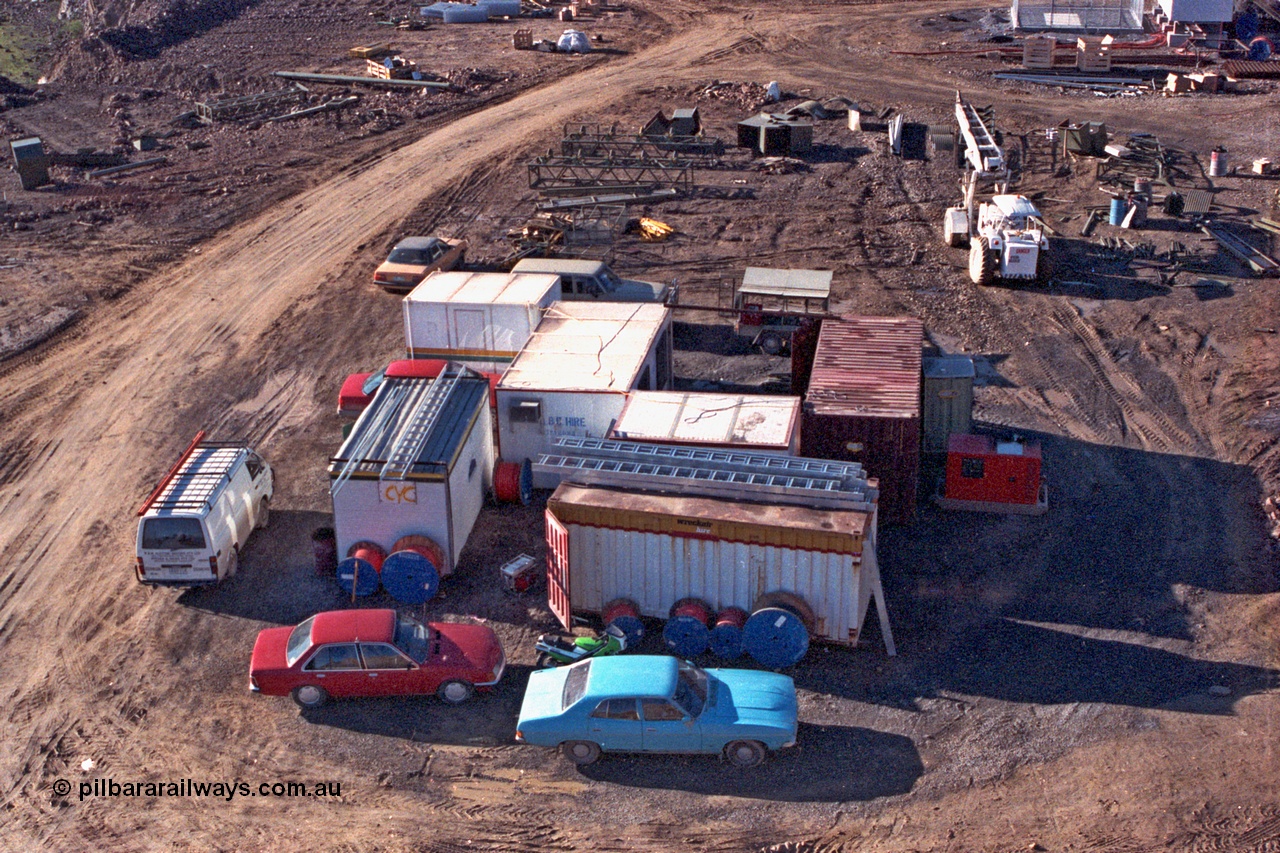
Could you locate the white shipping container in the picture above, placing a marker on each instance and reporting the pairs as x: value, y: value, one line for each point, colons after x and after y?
x: 653, y: 549
x: 440, y: 497
x: 1199, y: 11
x: 480, y: 319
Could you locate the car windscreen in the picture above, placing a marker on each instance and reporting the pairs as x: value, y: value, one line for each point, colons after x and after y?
x: 413, y: 638
x: 299, y: 642
x: 172, y: 534
x: 409, y: 256
x: 609, y: 280
x: 691, y: 689
x: 575, y: 684
x: 371, y: 384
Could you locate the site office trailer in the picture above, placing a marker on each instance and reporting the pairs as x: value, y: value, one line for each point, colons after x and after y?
x: 573, y: 376
x: 734, y: 421
x: 478, y: 319
x: 441, y: 494
x: 655, y: 549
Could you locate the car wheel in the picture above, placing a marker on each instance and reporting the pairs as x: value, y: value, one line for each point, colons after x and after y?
x: 264, y: 513
x: 580, y: 752
x: 745, y: 753
x: 455, y: 692
x: 233, y: 564
x: 310, y: 696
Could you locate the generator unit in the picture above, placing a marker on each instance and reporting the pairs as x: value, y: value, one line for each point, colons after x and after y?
x: 986, y: 475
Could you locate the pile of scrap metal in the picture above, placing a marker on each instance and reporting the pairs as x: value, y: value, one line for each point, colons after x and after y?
x: 547, y: 233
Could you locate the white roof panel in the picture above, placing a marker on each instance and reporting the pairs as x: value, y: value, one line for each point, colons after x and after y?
x: 587, y: 346
x: 486, y: 288
x: 804, y: 284
x: 729, y: 420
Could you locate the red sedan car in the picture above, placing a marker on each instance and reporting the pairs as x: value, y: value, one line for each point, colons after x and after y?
x: 374, y: 653
x: 358, y: 389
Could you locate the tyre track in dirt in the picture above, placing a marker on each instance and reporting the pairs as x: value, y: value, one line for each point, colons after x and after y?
x: 1152, y: 427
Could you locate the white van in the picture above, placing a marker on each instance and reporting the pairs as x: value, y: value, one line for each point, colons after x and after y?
x: 581, y: 279
x: 194, y: 525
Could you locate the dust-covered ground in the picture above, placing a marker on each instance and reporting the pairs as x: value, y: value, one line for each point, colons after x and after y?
x: 1102, y: 677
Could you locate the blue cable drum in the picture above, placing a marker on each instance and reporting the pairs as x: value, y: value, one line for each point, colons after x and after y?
x: 358, y: 576
x: 686, y: 636
x: 775, y: 637
x: 1260, y: 49
x: 1247, y: 25
x: 726, y: 633
x: 410, y: 577
x: 624, y: 613
x: 632, y: 627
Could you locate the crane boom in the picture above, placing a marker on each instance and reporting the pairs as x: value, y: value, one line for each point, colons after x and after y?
x: 980, y: 147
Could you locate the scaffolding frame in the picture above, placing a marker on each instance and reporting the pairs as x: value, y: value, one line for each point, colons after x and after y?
x: 1077, y: 16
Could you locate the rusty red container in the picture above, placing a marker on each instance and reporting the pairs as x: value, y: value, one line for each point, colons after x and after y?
x: 862, y: 403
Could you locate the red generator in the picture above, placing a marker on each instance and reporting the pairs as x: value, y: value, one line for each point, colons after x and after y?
x: 986, y: 475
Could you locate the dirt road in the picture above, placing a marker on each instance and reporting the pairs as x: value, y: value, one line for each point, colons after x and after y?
x: 250, y: 336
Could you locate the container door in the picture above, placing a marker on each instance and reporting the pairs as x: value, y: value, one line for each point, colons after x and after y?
x: 558, y: 570
x: 470, y: 330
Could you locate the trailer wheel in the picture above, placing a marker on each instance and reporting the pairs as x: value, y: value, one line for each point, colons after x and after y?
x: 772, y: 344
x: 982, y: 262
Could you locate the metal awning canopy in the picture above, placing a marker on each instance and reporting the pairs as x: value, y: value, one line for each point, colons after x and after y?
x: 786, y: 284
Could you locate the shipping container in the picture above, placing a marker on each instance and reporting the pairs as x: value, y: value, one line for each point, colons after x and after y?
x: 863, y: 403
x: 742, y: 421
x: 655, y: 549
x: 573, y: 376
x: 479, y: 319
x: 946, y: 400
x: 419, y: 461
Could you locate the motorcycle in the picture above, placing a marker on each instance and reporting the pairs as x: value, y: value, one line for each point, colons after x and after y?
x: 554, y: 650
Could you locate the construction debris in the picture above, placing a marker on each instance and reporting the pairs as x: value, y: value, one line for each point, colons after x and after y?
x: 250, y: 106
x: 348, y: 80
x: 651, y: 230
x: 582, y: 175
x: 335, y: 104
x: 369, y: 51
x: 393, y: 68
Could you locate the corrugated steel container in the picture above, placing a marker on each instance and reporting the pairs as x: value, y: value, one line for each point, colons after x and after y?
x: 441, y: 494
x: 656, y: 549
x: 573, y: 376
x: 479, y: 319
x: 740, y: 421
x: 946, y: 400
x: 863, y: 403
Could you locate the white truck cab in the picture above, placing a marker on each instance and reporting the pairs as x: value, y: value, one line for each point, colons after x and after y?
x: 193, y: 526
x: 582, y: 280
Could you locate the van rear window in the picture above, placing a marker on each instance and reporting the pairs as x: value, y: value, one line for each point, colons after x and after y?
x: 172, y: 534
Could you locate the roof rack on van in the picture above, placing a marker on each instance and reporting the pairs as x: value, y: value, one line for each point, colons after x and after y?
x: 190, y: 487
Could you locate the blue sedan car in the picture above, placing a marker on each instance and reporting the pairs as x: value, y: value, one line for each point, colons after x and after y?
x: 639, y: 703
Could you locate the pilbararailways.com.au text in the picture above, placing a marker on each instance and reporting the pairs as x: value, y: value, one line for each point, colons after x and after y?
x: 191, y: 788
